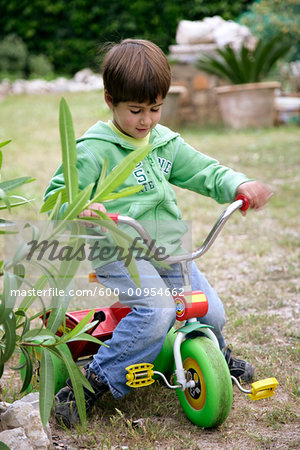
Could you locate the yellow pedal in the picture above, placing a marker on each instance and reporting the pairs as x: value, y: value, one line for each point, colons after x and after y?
x: 139, y: 375
x: 263, y: 388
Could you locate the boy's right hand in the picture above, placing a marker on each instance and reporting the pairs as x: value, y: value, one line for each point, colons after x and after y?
x: 90, y: 213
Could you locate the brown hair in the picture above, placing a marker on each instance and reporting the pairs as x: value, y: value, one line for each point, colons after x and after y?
x: 136, y: 70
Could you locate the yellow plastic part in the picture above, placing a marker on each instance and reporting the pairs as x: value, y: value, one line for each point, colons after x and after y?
x: 263, y: 388
x: 140, y: 375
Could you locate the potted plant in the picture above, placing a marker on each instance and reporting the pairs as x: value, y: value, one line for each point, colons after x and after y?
x: 248, y: 100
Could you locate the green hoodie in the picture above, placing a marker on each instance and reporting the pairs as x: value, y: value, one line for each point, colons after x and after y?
x: 170, y: 161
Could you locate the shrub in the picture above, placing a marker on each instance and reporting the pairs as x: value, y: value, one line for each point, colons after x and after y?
x: 13, y: 55
x: 40, y: 66
x: 245, y: 65
x: 268, y: 18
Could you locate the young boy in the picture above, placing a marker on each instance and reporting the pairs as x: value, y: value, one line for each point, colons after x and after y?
x: 137, y: 78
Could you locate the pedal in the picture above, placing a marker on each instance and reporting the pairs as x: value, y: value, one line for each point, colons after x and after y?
x: 140, y: 375
x: 263, y: 388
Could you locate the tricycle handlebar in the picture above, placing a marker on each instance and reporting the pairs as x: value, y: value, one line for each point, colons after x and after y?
x: 241, y: 203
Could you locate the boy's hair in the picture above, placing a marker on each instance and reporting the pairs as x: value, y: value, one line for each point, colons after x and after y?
x: 136, y: 70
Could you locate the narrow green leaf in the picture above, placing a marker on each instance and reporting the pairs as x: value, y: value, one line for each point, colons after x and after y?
x: 9, y: 294
x: 126, y: 192
x: 25, y: 324
x: 78, y: 204
x: 54, y: 215
x: 47, y: 384
x: 41, y: 339
x: 87, y: 337
x: 2, y: 144
x: 9, y: 326
x: 78, y: 329
x: 103, y: 174
x: 14, y: 205
x: 121, y: 172
x: 29, y: 299
x: 9, y: 185
x: 52, y: 199
x: 56, y: 317
x: 69, y: 156
x: 76, y: 379
x: 28, y: 369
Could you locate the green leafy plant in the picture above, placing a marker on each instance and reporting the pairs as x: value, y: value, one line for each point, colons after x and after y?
x: 16, y: 334
x: 245, y: 65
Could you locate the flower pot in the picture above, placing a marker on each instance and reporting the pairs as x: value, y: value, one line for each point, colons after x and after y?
x: 248, y: 105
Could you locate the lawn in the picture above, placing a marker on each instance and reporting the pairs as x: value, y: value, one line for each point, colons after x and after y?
x: 254, y: 265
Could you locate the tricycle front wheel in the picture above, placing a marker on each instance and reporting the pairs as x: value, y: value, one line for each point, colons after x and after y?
x: 209, y: 402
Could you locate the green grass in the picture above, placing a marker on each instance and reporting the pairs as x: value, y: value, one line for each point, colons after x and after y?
x: 254, y: 265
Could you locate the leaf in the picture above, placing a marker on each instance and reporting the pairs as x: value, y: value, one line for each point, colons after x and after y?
x: 123, y: 193
x: 14, y: 205
x: 47, y: 384
x: 119, y: 174
x: 79, y: 328
x: 28, y: 369
x: 56, y: 317
x: 2, y: 144
x: 15, y: 183
x: 29, y: 299
x: 41, y: 338
x: 76, y: 379
x: 122, y: 240
x: 88, y: 338
x: 103, y: 174
x: 78, y: 204
x: 9, y: 326
x: 26, y: 323
x: 69, y: 155
x: 51, y: 200
x: 9, y: 295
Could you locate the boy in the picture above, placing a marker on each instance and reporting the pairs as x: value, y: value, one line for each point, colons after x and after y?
x: 137, y: 77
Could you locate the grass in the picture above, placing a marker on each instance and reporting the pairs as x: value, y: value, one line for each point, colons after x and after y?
x: 254, y: 265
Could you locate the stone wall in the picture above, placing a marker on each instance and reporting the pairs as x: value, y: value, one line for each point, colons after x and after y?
x: 199, y: 104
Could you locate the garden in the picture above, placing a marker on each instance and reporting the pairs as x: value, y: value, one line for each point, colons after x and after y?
x: 254, y: 266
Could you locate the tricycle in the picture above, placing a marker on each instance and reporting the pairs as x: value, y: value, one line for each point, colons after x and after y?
x: 191, y: 352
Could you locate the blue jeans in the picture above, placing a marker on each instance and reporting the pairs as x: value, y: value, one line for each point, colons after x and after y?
x: 139, y: 337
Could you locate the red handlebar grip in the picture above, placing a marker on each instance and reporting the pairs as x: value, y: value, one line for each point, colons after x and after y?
x: 114, y: 217
x: 244, y: 200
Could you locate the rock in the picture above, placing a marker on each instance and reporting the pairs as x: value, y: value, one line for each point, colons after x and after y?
x: 24, y: 415
x: 16, y: 439
x: 196, y: 38
x: 84, y: 80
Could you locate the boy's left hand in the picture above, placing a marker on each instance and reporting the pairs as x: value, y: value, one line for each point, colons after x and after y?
x: 257, y: 193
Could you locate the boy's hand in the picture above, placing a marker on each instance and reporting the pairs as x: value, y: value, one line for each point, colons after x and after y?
x: 257, y: 193
x: 89, y: 213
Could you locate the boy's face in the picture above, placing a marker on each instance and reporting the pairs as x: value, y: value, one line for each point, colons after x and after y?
x: 135, y: 119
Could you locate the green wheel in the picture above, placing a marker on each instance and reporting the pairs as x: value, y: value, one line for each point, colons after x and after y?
x: 165, y: 360
x: 209, y: 402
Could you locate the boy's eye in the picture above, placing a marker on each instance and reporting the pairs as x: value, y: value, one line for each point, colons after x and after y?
x: 135, y: 111
x: 155, y: 109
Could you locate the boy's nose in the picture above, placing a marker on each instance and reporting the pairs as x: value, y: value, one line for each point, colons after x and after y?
x: 146, y: 119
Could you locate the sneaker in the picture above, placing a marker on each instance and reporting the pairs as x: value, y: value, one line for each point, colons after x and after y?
x: 66, y: 411
x: 238, y: 368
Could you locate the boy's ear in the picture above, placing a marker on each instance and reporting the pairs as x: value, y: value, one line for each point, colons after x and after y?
x: 108, y: 99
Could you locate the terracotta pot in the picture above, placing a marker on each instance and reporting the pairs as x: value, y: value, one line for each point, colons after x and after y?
x: 248, y: 105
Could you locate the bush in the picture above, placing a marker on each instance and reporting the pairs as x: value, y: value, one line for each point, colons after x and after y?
x: 40, y: 66
x: 13, y: 55
x: 245, y: 65
x: 70, y: 35
x: 268, y: 18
